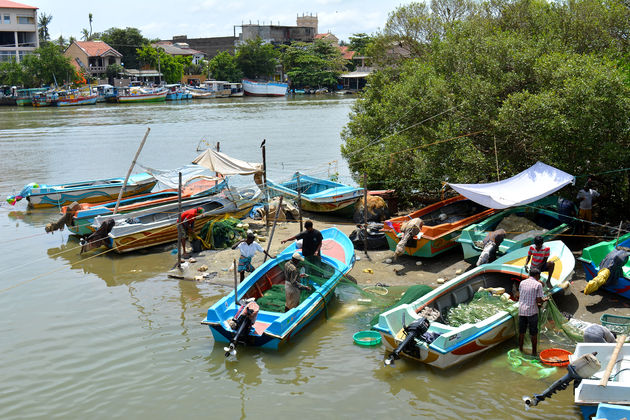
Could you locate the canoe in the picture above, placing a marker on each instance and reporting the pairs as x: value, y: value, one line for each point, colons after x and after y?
x: 593, y: 255
x: 158, y: 225
x: 588, y: 394
x: 84, y: 217
x: 43, y: 195
x: 443, y: 221
x: 456, y: 344
x: 273, y: 329
x: 319, y: 195
x: 473, y: 235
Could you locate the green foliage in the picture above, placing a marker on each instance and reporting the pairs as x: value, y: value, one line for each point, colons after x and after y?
x: 257, y: 59
x: 42, y: 27
x: 359, y: 43
x: 11, y: 73
x: 127, y: 42
x: 113, y: 70
x: 315, y: 64
x: 171, y: 67
x: 224, y: 66
x: 46, y: 65
x: 545, y: 81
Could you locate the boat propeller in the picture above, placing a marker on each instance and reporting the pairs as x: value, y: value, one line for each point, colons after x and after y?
x: 414, y: 330
x: 242, y: 322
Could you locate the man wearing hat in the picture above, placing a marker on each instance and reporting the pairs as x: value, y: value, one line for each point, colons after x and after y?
x: 248, y: 249
x: 186, y: 224
x: 292, y: 284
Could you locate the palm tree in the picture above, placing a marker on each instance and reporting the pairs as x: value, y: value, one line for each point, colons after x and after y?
x: 85, y: 34
x: 44, y: 21
x: 90, y: 16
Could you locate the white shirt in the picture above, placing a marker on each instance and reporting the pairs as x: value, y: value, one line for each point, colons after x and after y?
x: 249, y: 250
x: 586, y: 197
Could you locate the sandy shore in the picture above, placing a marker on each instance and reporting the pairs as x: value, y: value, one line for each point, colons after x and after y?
x: 372, y: 268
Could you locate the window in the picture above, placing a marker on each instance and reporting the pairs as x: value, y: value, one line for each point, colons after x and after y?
x: 6, y: 56
x: 25, y: 20
x: 6, y: 19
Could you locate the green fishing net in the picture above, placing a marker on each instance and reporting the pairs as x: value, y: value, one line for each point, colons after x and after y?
x: 412, y: 294
x: 528, y: 365
x: 552, y: 322
x: 482, y: 306
x: 221, y: 233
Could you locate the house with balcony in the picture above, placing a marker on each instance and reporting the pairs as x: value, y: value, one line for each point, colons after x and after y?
x: 18, y: 30
x: 92, y: 57
x: 180, y: 49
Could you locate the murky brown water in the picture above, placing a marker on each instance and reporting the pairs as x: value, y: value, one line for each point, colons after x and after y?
x: 115, y: 337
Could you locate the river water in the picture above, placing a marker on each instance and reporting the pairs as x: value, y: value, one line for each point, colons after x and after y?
x: 113, y: 336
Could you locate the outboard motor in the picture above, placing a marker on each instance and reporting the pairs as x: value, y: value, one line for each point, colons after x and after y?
x: 242, y: 322
x: 582, y: 368
x: 413, y: 330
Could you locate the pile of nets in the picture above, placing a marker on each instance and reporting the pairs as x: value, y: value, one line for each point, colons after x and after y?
x: 221, y: 233
x: 274, y: 299
x: 483, y: 305
x: 412, y: 294
x: 519, y: 228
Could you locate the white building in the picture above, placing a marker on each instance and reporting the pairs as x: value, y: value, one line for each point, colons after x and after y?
x: 18, y: 30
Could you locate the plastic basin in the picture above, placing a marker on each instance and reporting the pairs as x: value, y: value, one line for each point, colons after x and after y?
x: 555, y: 357
x: 367, y: 338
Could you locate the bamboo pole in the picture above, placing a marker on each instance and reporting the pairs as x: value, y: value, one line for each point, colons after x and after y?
x: 179, y: 220
x: 365, y: 213
x: 299, y: 201
x: 273, y: 228
x: 613, y: 359
x: 618, y: 233
x: 264, y: 159
x: 235, y: 285
x: 122, y: 190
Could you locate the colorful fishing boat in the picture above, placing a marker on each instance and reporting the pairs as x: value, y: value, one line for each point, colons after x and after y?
x: 547, y: 222
x: 210, y: 89
x: 24, y: 97
x: 452, y: 345
x: 253, y: 88
x: 84, y: 216
x: 76, y: 98
x: 176, y: 92
x: 443, y: 221
x: 271, y: 328
x: 236, y: 89
x: 592, y: 257
x: 132, y: 95
x: 589, y: 393
x: 318, y: 195
x: 43, y: 195
x: 158, y: 225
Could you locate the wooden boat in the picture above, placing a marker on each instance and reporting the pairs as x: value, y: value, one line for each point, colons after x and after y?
x: 253, y: 88
x: 593, y: 255
x: 589, y: 393
x: 24, y: 97
x: 236, y: 89
x: 210, y: 89
x: 176, y: 92
x: 319, y: 195
x: 84, y: 217
x: 443, y: 221
x: 138, y: 95
x: 547, y: 219
x: 158, y: 225
x: 273, y: 329
x: 455, y: 345
x: 43, y: 195
x: 76, y: 99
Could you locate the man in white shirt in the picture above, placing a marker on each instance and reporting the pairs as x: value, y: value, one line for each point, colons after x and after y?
x: 248, y: 249
x: 586, y: 196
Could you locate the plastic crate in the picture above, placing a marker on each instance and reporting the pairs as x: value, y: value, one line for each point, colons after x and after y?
x: 616, y: 323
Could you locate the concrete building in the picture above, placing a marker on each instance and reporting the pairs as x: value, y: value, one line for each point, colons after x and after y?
x: 92, y: 57
x: 18, y: 30
x: 305, y: 31
x: 209, y: 46
x: 180, y: 49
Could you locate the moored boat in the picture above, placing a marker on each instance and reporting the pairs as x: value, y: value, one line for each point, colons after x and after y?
x: 443, y: 221
x: 210, y: 89
x: 592, y: 258
x: 76, y: 98
x: 95, y: 191
x: 452, y: 345
x: 318, y: 195
x: 273, y: 328
x: 236, y: 89
x: 254, y: 88
x: 138, y: 95
x: 545, y: 221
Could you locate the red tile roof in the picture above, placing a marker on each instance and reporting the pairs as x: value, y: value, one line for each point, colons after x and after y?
x: 347, y: 53
x: 95, y: 48
x: 6, y: 4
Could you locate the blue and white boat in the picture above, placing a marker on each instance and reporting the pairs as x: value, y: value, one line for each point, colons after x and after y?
x: 593, y: 256
x: 254, y: 88
x: 272, y: 329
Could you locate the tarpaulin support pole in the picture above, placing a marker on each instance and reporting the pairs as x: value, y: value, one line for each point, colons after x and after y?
x: 122, y: 190
x: 179, y: 220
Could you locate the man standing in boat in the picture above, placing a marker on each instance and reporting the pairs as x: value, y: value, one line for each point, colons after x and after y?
x: 186, y: 225
x: 248, y: 249
x: 586, y: 196
x: 530, y: 296
x: 539, y: 255
x: 292, y: 284
x: 311, y: 243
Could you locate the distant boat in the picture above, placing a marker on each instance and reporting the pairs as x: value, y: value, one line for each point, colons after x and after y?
x: 319, y: 195
x: 210, y: 89
x: 75, y: 98
x: 236, y: 89
x: 176, y: 92
x: 25, y: 96
x: 42, y: 195
x: 133, y: 95
x: 253, y: 88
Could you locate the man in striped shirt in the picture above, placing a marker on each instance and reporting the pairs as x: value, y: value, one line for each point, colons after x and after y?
x: 539, y: 255
x: 530, y: 295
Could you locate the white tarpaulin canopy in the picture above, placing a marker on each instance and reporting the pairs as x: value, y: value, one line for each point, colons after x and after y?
x: 226, y: 165
x: 526, y: 187
x: 170, y: 177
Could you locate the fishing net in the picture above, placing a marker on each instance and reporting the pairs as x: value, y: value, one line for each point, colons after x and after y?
x: 412, y: 294
x: 528, y: 365
x: 483, y: 305
x: 553, y: 323
x: 273, y: 300
x: 221, y: 233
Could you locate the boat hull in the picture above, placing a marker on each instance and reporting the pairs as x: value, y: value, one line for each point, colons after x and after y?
x: 252, y: 88
x: 593, y: 255
x: 87, y: 100
x: 435, y: 239
x: 142, y: 98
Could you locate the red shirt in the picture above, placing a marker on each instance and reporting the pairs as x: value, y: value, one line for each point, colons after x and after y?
x: 538, y: 255
x: 188, y: 215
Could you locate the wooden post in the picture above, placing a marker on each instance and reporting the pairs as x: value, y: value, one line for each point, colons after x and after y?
x: 618, y: 233
x: 613, y: 359
x: 179, y: 212
x: 496, y: 157
x: 122, y: 190
x: 365, y: 213
x: 235, y: 284
x: 218, y: 150
x: 264, y: 158
x: 273, y: 228
x: 299, y: 201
